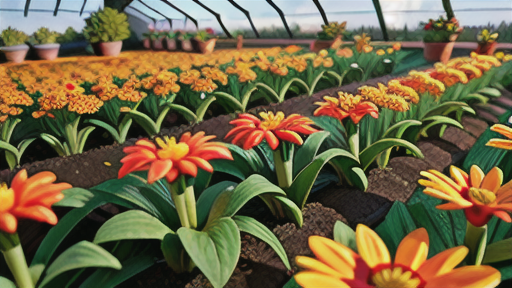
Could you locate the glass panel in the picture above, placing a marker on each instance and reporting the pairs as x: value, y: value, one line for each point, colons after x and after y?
x: 302, y: 16
x: 265, y: 18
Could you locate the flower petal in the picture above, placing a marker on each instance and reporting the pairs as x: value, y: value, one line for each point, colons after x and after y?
x: 334, y: 255
x: 38, y: 213
x: 314, y: 279
x: 172, y: 175
x: 453, y: 206
x: 289, y: 136
x: 317, y: 266
x: 253, y: 139
x: 493, y: 180
x: 460, y: 177
x: 503, y: 216
x: 371, y: 247
x: 503, y: 130
x: 500, y: 143
x: 158, y: 170
x: 466, y: 277
x: 272, y: 140
x: 476, y: 175
x: 8, y: 223
x: 187, y: 167
x: 201, y: 163
x: 443, y: 262
x: 413, y: 249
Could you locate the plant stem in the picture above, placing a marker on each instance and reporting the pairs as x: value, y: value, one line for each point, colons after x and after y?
x: 476, y: 241
x: 353, y: 140
x: 185, y: 202
x: 15, y: 259
x: 284, y: 165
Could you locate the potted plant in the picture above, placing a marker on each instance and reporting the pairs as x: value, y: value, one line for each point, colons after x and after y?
x: 45, y: 43
x: 146, y: 41
x: 170, y: 39
x: 204, y: 42
x: 185, y: 40
x: 331, y: 32
x: 486, y: 42
x: 439, y: 38
x: 153, y: 40
x: 14, y: 47
x: 105, y: 30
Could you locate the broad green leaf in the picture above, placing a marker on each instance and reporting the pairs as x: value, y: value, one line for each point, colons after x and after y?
x: 81, y: 255
x: 6, y: 283
x: 55, y: 143
x: 215, y: 250
x: 244, y: 164
x: 172, y: 249
x: 255, y: 228
x: 35, y: 272
x: 398, y: 129
x: 145, y: 122
x: 498, y: 251
x: 436, y: 120
x: 448, y: 107
x: 272, y: 94
x: 6, y: 146
x: 397, y: 224
x: 207, y: 198
x: 105, y: 126
x: 343, y: 234
x: 475, y: 96
x: 23, y: 146
x: 247, y: 97
x: 291, y: 284
x: 187, y: 113
x: 490, y: 92
x: 230, y: 99
x: 75, y: 197
x: 368, y: 155
x: 201, y: 110
x: 302, y: 184
x: 133, y: 224
x: 315, y: 82
x: 308, y: 150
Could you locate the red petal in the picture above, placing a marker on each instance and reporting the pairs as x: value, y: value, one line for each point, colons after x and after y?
x: 272, y: 140
x: 146, y: 143
x: 201, y: 163
x: 185, y: 137
x: 158, y: 170
x: 289, y: 136
x: 187, y: 167
x: 237, y: 130
x: 172, y: 175
x: 253, y: 139
x: 503, y: 216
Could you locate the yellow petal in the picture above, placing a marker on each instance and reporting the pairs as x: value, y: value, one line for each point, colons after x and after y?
x: 459, y: 176
x: 334, y: 254
x: 317, y: 266
x: 468, y: 277
x: 504, y: 194
x: 500, y: 143
x: 492, y: 181
x: 313, y: 279
x: 413, y: 249
x: 453, y: 206
x: 475, y: 176
x: 503, y: 130
x: 443, y: 262
x: 371, y: 247
x: 440, y: 195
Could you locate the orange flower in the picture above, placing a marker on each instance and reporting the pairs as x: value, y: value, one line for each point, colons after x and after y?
x: 170, y: 159
x: 380, y: 52
x: 346, y: 105
x: 367, y: 48
x: 481, y: 196
x: 501, y: 143
x: 338, y: 266
x: 292, y: 49
x: 345, y: 52
x: 250, y: 130
x: 29, y: 198
x: 397, y: 46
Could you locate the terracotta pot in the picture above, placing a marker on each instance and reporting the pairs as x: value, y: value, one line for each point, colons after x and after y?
x: 438, y: 51
x: 47, y: 51
x: 171, y: 44
x: 206, y: 47
x: 186, y: 45
x: 108, y: 48
x: 320, y: 45
x: 486, y: 49
x: 157, y: 44
x: 146, y: 43
x: 16, y: 53
x: 239, y: 42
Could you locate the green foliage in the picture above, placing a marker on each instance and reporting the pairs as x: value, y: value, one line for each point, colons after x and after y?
x: 203, y: 36
x: 441, y: 30
x: 43, y: 35
x: 13, y: 37
x: 106, y: 25
x: 70, y: 35
x: 332, y: 30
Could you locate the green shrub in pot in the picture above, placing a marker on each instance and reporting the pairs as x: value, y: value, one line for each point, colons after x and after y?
x: 70, y: 35
x: 108, y: 28
x: 15, y: 48
x: 45, y: 43
x: 43, y: 35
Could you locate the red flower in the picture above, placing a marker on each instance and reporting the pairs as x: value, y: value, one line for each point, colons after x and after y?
x: 173, y: 159
x: 346, y: 105
x: 428, y: 26
x: 70, y: 86
x: 250, y: 130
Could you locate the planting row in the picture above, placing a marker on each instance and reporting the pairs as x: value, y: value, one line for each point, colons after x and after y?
x: 54, y: 100
x: 172, y: 199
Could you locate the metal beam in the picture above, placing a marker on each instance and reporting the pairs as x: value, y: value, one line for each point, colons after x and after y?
x: 154, y: 20
x: 281, y: 14
x: 181, y: 11
x: 382, y: 23
x: 126, y: 5
x: 83, y: 6
x: 217, y: 15
x: 27, y: 4
x: 321, y: 10
x: 56, y: 8
x: 156, y: 11
x: 247, y: 15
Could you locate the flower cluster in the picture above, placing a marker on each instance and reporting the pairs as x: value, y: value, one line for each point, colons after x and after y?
x: 346, y: 105
x: 383, y: 97
x: 10, y: 96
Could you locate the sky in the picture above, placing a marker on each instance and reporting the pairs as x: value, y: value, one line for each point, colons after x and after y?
x: 302, y: 12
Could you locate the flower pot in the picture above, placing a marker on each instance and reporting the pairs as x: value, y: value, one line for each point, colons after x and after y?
x: 146, y: 43
x: 186, y: 45
x: 205, y: 47
x: 47, y: 51
x: 438, y: 51
x: 320, y: 45
x: 15, y: 53
x: 171, y: 44
x: 486, y: 49
x: 157, y: 44
x: 107, y: 48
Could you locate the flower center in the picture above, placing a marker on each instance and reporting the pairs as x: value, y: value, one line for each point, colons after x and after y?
x: 171, y: 149
x: 6, y: 198
x: 481, y: 196
x: 348, y: 102
x: 395, y: 278
x: 271, y: 121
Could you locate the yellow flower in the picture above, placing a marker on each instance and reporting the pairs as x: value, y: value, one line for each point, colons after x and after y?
x: 381, y: 98
x: 204, y: 85
x: 367, y: 48
x: 361, y: 41
x: 345, y: 52
x: 421, y: 82
x: 449, y: 76
x: 336, y: 265
x: 390, y: 50
x: 380, y: 52
x: 394, y: 87
x: 499, y: 55
x: 188, y: 77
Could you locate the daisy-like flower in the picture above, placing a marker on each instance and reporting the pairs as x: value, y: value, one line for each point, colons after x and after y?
x: 171, y: 159
x: 394, y: 87
x: 501, y: 143
x: 421, y: 82
x: 362, y: 41
x: 449, y: 76
x: 481, y: 196
x: 31, y: 198
x: 250, y: 130
x: 382, y: 98
x: 338, y: 266
x: 346, y: 105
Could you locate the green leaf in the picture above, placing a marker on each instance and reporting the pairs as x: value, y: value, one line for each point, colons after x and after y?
x: 498, y: 251
x: 287, y: 86
x: 35, y: 272
x: 23, y: 146
x: 110, y: 129
x: 172, y: 249
x: 6, y: 283
x: 207, y: 198
x: 490, y: 92
x: 255, y: 228
x: 133, y: 224
x: 475, y: 240
x: 81, y: 255
x: 230, y: 99
x: 475, y: 96
x: 302, y: 184
x: 448, y: 107
x: 75, y: 197
x: 398, y: 129
x: 291, y: 284
x: 145, y: 122
x: 315, y: 82
x: 215, y: 250
x: 307, y: 152
x: 244, y: 164
x: 343, y: 234
x: 397, y: 224
x: 246, y: 97
x: 55, y: 143
x: 187, y: 113
x: 201, y: 110
x: 6, y: 146
x: 273, y: 95
x: 368, y: 155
